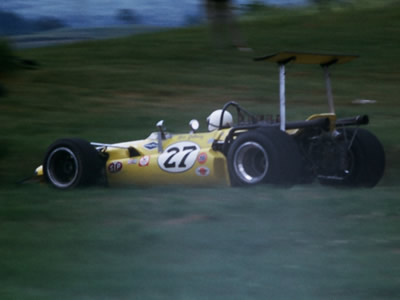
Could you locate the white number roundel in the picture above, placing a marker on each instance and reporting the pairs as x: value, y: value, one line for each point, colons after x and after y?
x: 179, y: 157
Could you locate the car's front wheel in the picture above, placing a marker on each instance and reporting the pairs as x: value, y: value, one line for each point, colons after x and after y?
x: 70, y: 163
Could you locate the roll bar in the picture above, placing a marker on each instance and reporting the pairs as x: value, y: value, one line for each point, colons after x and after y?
x: 241, y: 112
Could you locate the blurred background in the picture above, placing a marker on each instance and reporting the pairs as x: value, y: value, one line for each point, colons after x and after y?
x: 16, y: 14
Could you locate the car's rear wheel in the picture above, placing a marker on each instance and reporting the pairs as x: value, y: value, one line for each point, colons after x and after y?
x: 365, y: 158
x: 262, y: 156
x: 70, y: 163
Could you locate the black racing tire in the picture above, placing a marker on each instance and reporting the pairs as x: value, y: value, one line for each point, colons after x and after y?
x: 290, y: 159
x: 71, y: 163
x: 367, y: 157
x: 261, y: 156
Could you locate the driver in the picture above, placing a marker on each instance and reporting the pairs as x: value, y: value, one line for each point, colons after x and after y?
x: 213, y: 120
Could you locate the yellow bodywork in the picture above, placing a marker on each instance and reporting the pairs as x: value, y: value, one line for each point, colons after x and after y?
x: 186, y: 159
x: 39, y: 171
x: 203, y: 166
x: 330, y: 116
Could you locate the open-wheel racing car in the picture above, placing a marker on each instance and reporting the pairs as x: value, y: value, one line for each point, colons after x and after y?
x: 246, y: 150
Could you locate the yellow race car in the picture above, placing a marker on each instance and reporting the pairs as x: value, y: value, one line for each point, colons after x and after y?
x: 246, y: 149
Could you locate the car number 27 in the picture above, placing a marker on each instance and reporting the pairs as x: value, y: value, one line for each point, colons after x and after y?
x: 179, y: 157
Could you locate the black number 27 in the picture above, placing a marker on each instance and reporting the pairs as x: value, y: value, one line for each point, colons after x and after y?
x: 174, y: 151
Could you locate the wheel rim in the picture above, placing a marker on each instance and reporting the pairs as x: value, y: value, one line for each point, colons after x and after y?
x: 251, y: 162
x: 62, y: 167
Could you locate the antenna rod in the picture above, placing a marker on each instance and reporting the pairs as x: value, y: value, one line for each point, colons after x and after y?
x: 282, y: 96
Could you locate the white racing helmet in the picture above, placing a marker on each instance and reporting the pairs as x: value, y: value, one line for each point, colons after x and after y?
x: 213, y: 120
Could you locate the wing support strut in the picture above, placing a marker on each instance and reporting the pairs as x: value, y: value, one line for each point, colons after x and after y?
x: 324, y: 60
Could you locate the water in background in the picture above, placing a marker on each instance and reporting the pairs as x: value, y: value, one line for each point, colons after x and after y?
x: 87, y: 13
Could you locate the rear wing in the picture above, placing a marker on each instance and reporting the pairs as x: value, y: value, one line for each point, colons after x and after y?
x: 324, y: 60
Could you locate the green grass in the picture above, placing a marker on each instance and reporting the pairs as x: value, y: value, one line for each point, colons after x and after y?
x: 308, y: 242
x: 186, y: 243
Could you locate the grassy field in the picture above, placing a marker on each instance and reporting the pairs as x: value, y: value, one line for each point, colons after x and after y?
x: 186, y: 243
x: 307, y: 242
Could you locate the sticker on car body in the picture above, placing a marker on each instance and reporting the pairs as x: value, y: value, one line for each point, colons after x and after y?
x: 144, y: 161
x: 179, y: 157
x: 151, y: 146
x: 202, y: 159
x: 202, y: 171
x: 132, y: 161
x: 115, y: 167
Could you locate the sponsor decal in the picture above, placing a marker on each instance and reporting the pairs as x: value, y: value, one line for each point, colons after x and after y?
x: 203, y: 171
x: 132, y: 161
x: 190, y: 137
x: 151, y: 146
x: 196, y: 136
x: 179, y: 157
x: 202, y: 159
x: 144, y: 161
x: 115, y: 167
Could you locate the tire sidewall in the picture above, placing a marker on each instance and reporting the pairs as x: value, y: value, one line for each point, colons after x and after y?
x: 368, y: 159
x: 262, y: 141
x: 87, y: 162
